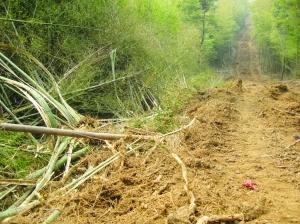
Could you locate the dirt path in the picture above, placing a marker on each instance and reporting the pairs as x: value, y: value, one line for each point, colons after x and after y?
x: 251, y: 143
x: 256, y: 145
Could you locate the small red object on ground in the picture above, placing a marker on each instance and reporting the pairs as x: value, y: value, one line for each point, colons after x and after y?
x: 249, y: 184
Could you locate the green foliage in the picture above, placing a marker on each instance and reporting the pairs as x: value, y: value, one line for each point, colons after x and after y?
x: 219, y: 22
x: 174, y: 102
x: 150, y: 38
x: 276, y: 29
x: 15, y: 163
x: 159, y: 40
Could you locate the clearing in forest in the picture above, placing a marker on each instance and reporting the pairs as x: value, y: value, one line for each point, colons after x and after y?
x: 240, y: 133
x: 247, y: 131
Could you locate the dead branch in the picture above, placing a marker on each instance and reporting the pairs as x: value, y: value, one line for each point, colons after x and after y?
x: 220, y: 219
x: 68, y: 132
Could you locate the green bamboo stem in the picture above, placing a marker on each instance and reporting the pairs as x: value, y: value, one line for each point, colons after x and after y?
x: 52, y: 217
x: 17, y: 210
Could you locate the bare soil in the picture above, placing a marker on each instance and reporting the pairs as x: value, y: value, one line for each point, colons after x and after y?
x: 239, y: 134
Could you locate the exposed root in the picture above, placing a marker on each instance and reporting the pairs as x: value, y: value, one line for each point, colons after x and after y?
x: 183, y: 214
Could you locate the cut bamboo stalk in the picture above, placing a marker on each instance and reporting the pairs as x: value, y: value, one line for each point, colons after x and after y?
x: 60, y: 146
x: 39, y: 173
x: 54, y: 216
x: 69, y: 132
x: 14, y: 211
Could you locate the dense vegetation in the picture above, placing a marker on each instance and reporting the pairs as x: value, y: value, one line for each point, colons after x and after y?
x: 276, y: 29
x: 156, y: 42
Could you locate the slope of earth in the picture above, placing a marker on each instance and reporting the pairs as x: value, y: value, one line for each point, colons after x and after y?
x: 247, y: 131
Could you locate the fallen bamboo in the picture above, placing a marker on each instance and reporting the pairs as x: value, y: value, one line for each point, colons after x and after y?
x: 14, y: 211
x: 69, y: 132
x: 40, y: 172
x: 52, y: 217
x: 19, y: 182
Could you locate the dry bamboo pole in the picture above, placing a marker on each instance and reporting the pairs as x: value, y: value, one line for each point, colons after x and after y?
x: 69, y: 132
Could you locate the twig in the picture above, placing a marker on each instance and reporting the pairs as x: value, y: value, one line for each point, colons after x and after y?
x: 161, y: 138
x: 287, y: 112
x: 69, y: 157
x: 183, y: 214
x: 110, y: 146
x: 180, y: 129
x: 99, y: 85
x: 185, y: 178
x: 87, y: 58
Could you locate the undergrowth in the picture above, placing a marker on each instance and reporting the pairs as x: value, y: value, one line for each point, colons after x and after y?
x: 17, y: 158
x: 174, y: 101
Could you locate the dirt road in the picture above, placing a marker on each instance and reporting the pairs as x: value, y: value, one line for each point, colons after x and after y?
x: 252, y: 142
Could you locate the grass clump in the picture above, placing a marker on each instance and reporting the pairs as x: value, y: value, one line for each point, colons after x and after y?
x: 16, y: 160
